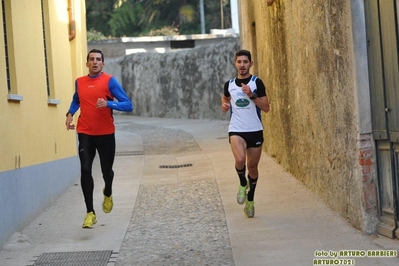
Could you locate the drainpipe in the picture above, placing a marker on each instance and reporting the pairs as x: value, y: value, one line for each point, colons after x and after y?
x: 72, y: 32
x: 202, y: 16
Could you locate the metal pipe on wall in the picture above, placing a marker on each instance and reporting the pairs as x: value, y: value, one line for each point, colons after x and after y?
x: 72, y: 32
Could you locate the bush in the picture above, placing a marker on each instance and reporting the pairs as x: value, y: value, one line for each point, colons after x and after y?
x: 93, y: 35
x: 165, y: 31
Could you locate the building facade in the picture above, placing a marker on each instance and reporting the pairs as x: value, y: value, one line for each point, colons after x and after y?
x: 331, y: 72
x: 42, y: 52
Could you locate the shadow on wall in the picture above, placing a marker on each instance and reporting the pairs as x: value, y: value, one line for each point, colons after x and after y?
x: 182, y: 84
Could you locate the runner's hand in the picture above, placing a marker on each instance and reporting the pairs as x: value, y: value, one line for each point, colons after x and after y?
x: 68, y: 123
x: 225, y: 107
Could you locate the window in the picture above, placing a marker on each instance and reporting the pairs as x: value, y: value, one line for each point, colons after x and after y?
x: 47, y: 53
x: 45, y: 50
x: 6, y: 44
x: 11, y: 96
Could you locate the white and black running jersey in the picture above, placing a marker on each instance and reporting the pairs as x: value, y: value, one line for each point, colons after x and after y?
x: 245, y: 116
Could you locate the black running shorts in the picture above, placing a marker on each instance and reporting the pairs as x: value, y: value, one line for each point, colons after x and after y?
x: 253, y: 139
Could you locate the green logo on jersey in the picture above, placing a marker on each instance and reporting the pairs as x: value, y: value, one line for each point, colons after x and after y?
x: 242, y: 102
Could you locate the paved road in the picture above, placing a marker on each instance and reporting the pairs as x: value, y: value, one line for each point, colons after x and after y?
x: 174, y: 195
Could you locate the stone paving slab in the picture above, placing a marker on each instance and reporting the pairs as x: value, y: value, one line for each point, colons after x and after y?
x: 160, y: 140
x: 177, y: 224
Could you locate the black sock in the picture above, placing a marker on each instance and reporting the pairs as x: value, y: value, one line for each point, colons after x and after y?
x: 252, y: 186
x: 108, y: 184
x: 241, y: 175
x: 107, y: 192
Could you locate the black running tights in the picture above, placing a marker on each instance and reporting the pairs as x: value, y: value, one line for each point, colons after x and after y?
x: 105, y: 146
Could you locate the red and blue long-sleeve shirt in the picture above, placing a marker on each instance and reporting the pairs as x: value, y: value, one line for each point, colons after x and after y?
x: 93, y: 120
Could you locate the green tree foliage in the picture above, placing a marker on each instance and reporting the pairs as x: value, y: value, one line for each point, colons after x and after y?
x: 148, y: 17
x: 98, y: 13
x: 128, y: 19
x: 213, y: 15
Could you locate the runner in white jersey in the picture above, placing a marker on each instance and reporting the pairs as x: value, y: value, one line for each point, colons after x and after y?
x: 245, y: 97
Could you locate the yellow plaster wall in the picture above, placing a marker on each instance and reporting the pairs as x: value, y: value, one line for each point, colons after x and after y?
x: 304, y: 53
x: 34, y: 131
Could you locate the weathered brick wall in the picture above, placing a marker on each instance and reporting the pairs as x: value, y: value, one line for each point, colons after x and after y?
x: 181, y: 84
x: 305, y: 56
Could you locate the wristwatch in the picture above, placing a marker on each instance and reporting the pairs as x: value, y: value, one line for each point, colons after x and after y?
x: 254, y: 96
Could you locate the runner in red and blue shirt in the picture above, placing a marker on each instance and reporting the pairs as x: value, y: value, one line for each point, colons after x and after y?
x: 95, y: 96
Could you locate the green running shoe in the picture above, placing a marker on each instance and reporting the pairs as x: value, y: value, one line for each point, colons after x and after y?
x: 249, y: 209
x: 242, y: 194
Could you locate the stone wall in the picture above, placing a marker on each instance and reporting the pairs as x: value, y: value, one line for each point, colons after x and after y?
x: 304, y: 53
x: 118, y: 47
x: 182, y: 84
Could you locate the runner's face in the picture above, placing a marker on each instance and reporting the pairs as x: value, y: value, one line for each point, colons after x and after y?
x: 95, y: 64
x: 243, y: 65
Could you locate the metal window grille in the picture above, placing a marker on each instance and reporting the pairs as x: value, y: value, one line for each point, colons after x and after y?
x: 45, y: 50
x: 3, y: 9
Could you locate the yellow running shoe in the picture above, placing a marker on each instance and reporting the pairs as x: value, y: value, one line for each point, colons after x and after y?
x: 107, y: 204
x: 249, y: 209
x: 90, y: 220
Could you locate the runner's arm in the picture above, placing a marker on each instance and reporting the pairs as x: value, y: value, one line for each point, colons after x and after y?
x: 226, y: 98
x: 123, y: 103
